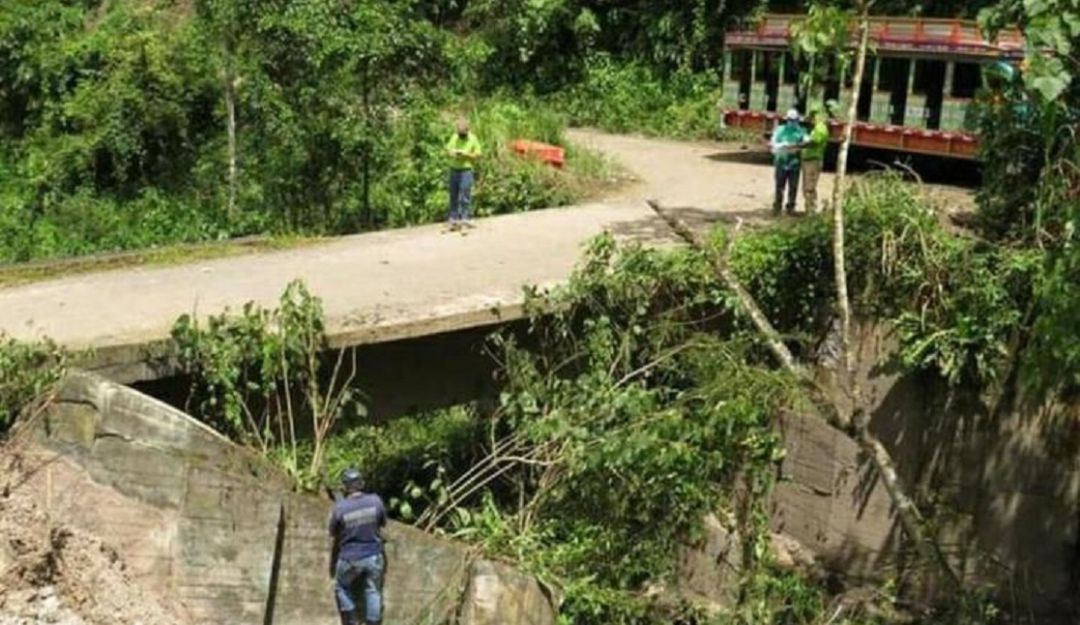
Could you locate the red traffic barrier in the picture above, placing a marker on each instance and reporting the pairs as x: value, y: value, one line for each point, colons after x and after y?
x: 551, y: 154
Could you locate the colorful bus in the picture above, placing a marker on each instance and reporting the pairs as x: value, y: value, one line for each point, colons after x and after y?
x: 916, y: 95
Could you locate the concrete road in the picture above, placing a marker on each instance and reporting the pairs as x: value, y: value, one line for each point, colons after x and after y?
x: 401, y: 283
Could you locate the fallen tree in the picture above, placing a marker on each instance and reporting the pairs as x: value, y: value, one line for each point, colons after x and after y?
x: 835, y: 413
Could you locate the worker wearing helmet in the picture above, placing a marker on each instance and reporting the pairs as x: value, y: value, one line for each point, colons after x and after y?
x: 357, y: 558
x: 785, y: 144
x: 813, y: 157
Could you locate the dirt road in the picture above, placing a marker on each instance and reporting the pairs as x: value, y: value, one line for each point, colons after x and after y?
x: 716, y: 177
x: 401, y: 283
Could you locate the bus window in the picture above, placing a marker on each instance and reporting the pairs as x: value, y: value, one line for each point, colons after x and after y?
x: 891, y: 93
x: 791, y: 69
x: 961, y: 82
x: 736, y: 78
x: 930, y: 83
x: 787, y: 83
x: 966, y: 80
x: 866, y: 90
x: 772, y: 79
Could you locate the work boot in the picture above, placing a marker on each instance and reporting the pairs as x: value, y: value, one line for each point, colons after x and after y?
x: 350, y: 618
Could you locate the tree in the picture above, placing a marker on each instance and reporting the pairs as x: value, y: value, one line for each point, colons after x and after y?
x: 223, y: 18
x: 1040, y: 124
x: 823, y: 36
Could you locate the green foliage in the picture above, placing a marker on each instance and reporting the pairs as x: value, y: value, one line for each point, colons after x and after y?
x: 957, y: 303
x: 621, y: 97
x: 261, y: 378
x: 641, y: 400
x: 114, y: 135
x: 823, y: 36
x: 1030, y: 131
x: 549, y: 44
x: 783, y: 267
x: 27, y: 372
x: 1032, y: 189
x: 628, y: 411
x: 409, y: 457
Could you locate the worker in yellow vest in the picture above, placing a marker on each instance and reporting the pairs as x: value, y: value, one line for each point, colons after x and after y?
x: 463, y: 148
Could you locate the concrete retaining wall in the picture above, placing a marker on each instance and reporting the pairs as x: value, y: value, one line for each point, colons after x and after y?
x: 1005, y: 479
x: 203, y: 522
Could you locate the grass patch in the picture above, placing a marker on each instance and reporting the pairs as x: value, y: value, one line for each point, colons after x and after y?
x: 27, y: 273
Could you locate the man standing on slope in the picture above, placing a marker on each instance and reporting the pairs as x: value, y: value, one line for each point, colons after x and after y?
x: 813, y: 156
x: 356, y: 557
x: 464, y: 151
x: 786, y: 142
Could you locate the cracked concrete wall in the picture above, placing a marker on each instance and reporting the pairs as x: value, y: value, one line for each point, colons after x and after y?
x: 197, y: 519
x: 830, y: 501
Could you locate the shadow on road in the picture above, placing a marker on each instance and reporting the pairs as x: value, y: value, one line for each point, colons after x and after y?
x: 654, y: 229
x: 746, y: 157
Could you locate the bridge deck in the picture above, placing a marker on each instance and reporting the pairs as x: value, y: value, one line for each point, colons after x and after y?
x: 390, y: 285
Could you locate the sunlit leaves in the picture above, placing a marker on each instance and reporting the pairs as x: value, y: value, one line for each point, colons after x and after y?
x: 28, y: 370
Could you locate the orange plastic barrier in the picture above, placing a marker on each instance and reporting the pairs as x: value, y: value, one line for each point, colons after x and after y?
x: 551, y: 154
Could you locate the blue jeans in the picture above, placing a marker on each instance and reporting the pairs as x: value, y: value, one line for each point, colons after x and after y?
x: 786, y: 177
x: 369, y: 573
x: 461, y: 183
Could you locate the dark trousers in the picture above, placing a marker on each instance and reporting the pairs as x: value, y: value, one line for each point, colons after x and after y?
x: 786, y: 177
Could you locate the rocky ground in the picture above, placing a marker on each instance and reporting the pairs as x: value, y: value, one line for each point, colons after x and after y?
x: 51, y: 573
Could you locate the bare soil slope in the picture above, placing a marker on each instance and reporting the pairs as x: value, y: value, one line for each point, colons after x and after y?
x: 52, y: 573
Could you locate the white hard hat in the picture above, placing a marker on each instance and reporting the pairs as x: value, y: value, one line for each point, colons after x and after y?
x: 792, y: 115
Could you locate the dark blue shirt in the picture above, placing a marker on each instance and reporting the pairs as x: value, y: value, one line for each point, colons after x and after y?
x: 355, y: 522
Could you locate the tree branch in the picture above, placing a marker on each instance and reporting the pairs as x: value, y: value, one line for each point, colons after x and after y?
x: 731, y: 281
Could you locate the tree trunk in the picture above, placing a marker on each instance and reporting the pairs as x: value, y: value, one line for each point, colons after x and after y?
x: 731, y: 281
x: 366, y: 97
x: 906, y: 508
x: 839, y: 263
x: 230, y: 113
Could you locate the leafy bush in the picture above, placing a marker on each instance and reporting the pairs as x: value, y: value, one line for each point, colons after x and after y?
x: 27, y: 372
x: 957, y: 303
x: 409, y: 457
x: 620, y: 97
x: 261, y: 378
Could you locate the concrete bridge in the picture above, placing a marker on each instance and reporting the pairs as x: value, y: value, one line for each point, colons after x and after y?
x: 388, y: 286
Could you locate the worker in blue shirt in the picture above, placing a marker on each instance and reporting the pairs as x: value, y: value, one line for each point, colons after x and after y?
x: 356, y: 557
x: 787, y: 140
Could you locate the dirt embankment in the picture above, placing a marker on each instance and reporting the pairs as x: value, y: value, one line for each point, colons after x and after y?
x: 52, y: 573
